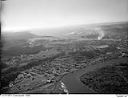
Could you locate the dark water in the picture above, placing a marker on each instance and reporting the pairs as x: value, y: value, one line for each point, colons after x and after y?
x: 74, y: 85
x: 72, y: 80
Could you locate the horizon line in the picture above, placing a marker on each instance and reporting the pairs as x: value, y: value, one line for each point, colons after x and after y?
x: 66, y: 26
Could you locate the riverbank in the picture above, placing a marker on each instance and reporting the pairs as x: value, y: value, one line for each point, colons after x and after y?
x: 72, y: 80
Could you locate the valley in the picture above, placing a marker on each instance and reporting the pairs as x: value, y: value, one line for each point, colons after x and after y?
x: 48, y: 64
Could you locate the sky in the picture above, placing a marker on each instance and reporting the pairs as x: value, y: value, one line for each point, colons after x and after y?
x: 20, y: 15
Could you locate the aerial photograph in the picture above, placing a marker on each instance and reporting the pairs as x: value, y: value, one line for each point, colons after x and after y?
x: 64, y: 46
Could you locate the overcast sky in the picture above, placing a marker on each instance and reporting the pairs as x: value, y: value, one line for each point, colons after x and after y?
x: 29, y: 14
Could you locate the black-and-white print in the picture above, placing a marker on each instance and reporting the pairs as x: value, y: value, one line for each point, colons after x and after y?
x: 64, y: 47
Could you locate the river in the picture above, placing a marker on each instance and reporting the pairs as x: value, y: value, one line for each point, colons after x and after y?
x: 74, y: 85
x: 72, y: 80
